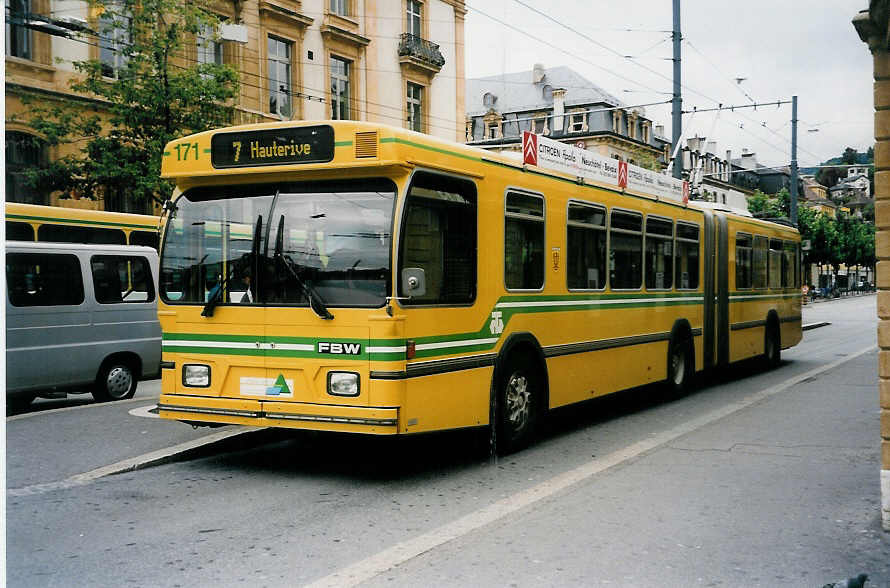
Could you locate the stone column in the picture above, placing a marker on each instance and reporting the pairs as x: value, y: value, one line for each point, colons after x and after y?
x: 872, y: 26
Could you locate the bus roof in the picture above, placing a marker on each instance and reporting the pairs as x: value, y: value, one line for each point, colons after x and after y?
x: 77, y: 216
x: 291, y: 146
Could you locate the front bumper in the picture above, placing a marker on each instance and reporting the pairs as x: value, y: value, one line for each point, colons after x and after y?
x: 293, y: 415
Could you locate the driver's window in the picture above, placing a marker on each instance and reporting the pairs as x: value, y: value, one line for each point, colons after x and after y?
x: 439, y: 237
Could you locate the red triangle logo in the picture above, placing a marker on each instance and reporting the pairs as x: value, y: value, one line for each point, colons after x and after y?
x: 529, y: 148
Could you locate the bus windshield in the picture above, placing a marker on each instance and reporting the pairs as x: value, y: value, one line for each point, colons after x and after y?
x: 279, y: 244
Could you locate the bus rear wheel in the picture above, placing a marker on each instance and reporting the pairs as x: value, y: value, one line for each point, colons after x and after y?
x: 116, y: 381
x: 680, y: 367
x: 772, y: 347
x: 519, y: 392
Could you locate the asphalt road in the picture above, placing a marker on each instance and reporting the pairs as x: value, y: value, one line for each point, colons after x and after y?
x: 757, y: 479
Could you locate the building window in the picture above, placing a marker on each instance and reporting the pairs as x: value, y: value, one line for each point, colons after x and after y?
x: 18, y: 38
x: 339, y: 89
x: 279, y: 77
x: 524, y: 242
x: 415, y: 18
x: 23, y: 152
x: 576, y: 122
x: 415, y: 107
x: 210, y: 49
x: 540, y: 126
x: 114, y: 37
x: 492, y: 131
x: 340, y: 7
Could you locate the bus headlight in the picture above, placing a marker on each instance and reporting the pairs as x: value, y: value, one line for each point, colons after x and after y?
x: 196, y: 375
x: 342, y: 384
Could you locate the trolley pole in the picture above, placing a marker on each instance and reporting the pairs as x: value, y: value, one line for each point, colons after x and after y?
x: 793, y: 204
x: 677, y: 119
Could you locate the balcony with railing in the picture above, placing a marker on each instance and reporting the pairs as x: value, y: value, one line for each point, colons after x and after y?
x: 419, y: 53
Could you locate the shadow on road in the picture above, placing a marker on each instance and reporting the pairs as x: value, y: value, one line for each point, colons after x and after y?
x: 292, y: 453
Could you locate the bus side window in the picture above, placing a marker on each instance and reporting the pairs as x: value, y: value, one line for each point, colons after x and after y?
x: 16, y: 231
x: 43, y: 279
x: 586, y: 245
x: 524, y: 242
x: 743, y: 261
x: 71, y: 234
x: 439, y: 236
x: 659, y: 253
x: 626, y: 250
x: 146, y: 238
x: 687, y: 256
x: 789, y: 279
x: 760, y: 261
x: 775, y: 262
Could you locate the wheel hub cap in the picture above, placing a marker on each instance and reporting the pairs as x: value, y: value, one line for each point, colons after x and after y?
x: 118, y: 382
x: 518, y: 396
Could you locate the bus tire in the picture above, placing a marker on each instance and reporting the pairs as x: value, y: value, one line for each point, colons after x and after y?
x: 772, y: 345
x: 116, y: 381
x: 519, y: 393
x: 680, y: 365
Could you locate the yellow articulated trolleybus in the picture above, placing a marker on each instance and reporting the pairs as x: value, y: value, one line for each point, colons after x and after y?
x: 354, y: 277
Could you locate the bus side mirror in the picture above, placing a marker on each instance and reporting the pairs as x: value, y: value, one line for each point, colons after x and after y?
x: 413, y: 282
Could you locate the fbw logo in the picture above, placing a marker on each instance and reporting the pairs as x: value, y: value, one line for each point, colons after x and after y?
x: 496, y: 326
x: 339, y: 348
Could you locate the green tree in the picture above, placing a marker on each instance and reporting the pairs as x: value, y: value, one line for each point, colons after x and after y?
x: 849, y: 156
x: 155, y: 94
x: 770, y: 206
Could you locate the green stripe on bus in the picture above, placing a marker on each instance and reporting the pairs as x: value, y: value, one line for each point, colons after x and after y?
x: 72, y: 221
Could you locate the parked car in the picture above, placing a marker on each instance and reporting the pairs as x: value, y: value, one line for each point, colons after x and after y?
x: 80, y: 318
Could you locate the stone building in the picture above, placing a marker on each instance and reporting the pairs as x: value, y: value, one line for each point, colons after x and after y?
x: 563, y: 105
x: 398, y: 62
x: 873, y: 26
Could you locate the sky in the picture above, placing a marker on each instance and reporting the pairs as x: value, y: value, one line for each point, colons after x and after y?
x: 781, y: 48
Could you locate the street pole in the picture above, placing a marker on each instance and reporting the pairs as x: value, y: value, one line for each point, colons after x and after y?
x: 793, y: 206
x: 677, y: 120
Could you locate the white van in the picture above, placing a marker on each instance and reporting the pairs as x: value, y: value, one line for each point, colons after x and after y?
x: 80, y: 318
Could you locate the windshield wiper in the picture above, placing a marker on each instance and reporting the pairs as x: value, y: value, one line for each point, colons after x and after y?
x: 216, y: 294
x: 315, y: 301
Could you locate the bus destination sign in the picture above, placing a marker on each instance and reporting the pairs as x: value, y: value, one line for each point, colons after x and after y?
x: 272, y: 147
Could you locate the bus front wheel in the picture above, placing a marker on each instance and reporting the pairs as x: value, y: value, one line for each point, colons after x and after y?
x: 519, y: 393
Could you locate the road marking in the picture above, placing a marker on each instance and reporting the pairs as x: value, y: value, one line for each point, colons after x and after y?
x: 35, y: 413
x: 134, y: 463
x: 375, y: 565
x: 146, y: 412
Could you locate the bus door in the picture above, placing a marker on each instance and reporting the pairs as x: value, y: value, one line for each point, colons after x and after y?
x: 710, y: 260
x: 722, y: 290
x: 715, y: 328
